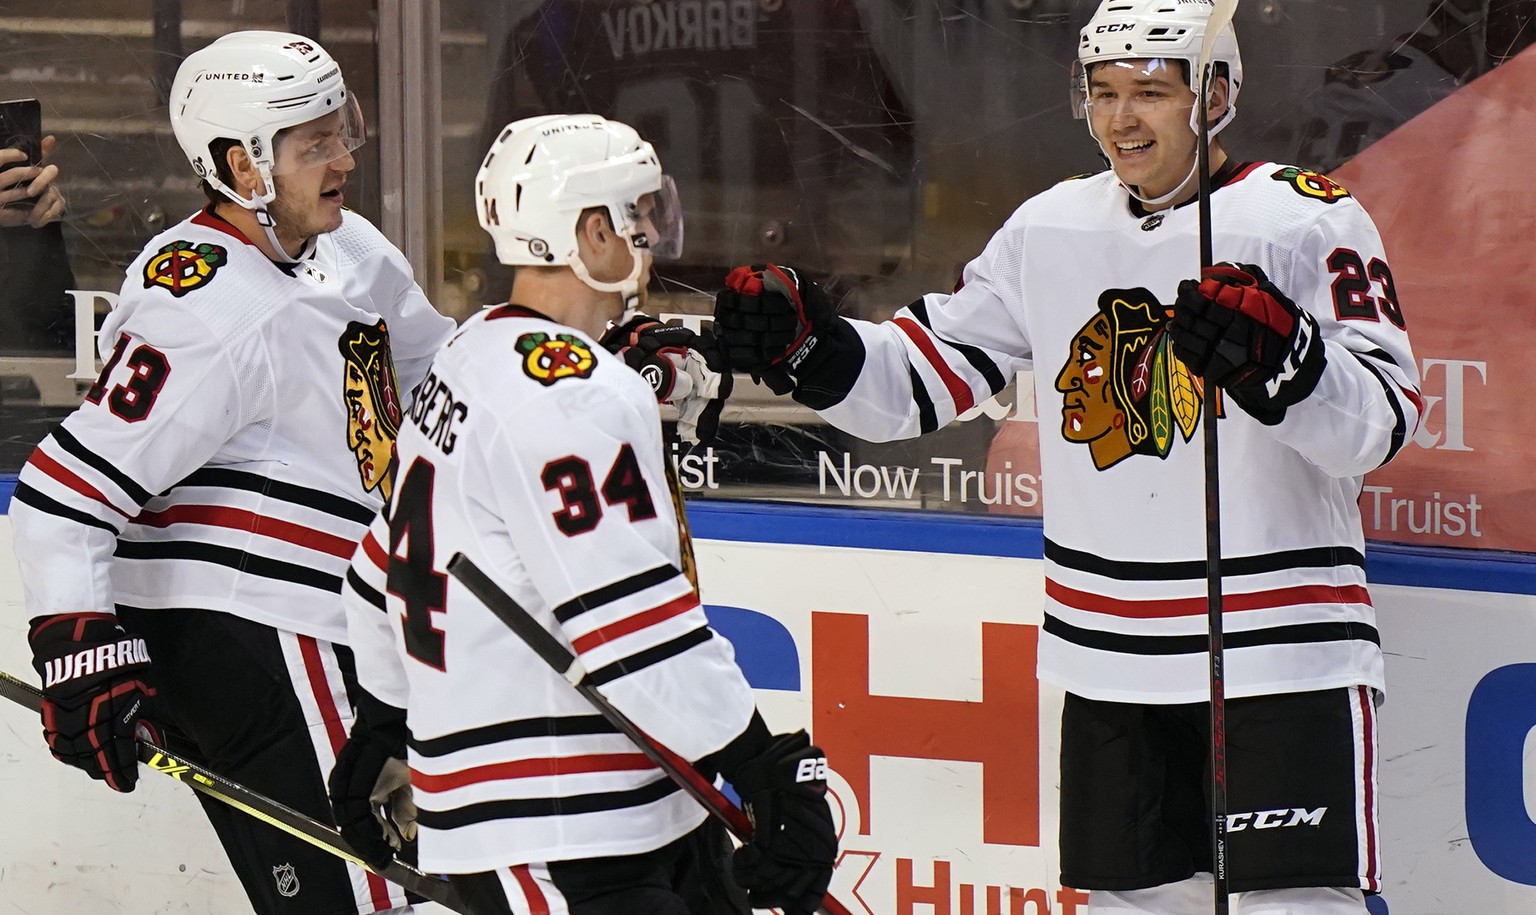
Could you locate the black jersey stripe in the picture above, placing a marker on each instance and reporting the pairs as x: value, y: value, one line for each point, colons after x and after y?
x: 1322, y: 557
x: 239, y: 560
x: 927, y: 420
x: 1157, y: 645
x: 653, y: 655
x: 609, y: 593
x: 27, y: 495
x: 979, y: 360
x: 470, y: 738
x: 1400, y: 428
x: 524, y: 808
x: 330, y: 503
x: 1380, y: 355
x: 101, y: 465
x: 364, y: 590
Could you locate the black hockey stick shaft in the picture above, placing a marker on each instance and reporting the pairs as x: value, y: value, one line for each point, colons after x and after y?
x: 564, y: 663
x: 273, y: 813
x: 1221, y: 15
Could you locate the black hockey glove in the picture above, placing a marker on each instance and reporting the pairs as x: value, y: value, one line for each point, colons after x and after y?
x: 770, y: 320
x: 1240, y: 332
x: 788, y: 864
x: 684, y: 369
x: 95, y: 698
x: 370, y: 786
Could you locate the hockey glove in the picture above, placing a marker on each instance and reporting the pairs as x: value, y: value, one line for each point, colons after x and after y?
x: 683, y: 368
x: 788, y: 864
x: 95, y: 698
x: 1240, y: 332
x: 370, y: 786
x: 769, y: 320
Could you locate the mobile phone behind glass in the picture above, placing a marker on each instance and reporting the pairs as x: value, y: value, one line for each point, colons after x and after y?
x: 21, y: 127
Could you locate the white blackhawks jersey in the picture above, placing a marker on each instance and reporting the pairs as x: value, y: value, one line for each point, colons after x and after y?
x: 538, y: 455
x: 238, y: 441
x: 1078, y: 285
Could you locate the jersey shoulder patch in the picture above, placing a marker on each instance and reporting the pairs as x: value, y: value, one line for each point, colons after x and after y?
x: 180, y: 267
x: 1311, y: 184
x: 548, y: 358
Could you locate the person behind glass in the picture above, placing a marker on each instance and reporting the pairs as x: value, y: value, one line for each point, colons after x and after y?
x: 1298, y: 330
x: 539, y: 455
x: 1370, y: 93
x: 35, y: 310
x: 189, y: 525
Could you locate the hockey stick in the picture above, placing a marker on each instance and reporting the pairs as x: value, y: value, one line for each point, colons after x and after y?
x: 261, y: 807
x: 557, y: 656
x: 1221, y: 17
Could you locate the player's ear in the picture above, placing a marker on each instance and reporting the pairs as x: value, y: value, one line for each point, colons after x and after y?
x: 243, y: 169
x: 1221, y: 94
x: 593, y: 226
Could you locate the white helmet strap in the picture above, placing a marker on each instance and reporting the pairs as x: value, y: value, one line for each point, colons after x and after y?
x: 257, y: 204
x: 628, y: 288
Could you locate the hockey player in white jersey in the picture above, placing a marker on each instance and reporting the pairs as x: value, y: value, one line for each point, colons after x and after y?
x: 539, y: 455
x: 203, y: 503
x: 1300, y: 329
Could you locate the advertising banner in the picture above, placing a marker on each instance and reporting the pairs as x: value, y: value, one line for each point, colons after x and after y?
x: 1450, y: 194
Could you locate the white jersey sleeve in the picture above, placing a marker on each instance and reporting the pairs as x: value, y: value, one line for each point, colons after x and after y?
x: 1366, y: 404
x: 591, y: 519
x: 380, y: 667
x: 171, y: 394
x: 943, y: 354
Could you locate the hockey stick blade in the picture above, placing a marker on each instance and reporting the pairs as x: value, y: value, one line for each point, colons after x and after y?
x: 562, y: 661
x: 279, y: 816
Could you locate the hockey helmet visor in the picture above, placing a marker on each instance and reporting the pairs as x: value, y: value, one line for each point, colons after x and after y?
x: 657, y: 221
x: 1089, y: 94
x: 322, y: 140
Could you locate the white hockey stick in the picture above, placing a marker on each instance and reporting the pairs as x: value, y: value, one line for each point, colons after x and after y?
x: 567, y: 665
x: 1221, y: 16
x: 274, y: 814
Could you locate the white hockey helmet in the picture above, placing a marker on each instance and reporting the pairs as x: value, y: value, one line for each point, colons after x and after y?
x: 247, y: 87
x: 1155, y: 29
x: 542, y: 172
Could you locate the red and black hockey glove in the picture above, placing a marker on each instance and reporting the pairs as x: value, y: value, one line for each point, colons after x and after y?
x: 370, y: 786
x: 770, y: 319
x: 95, y: 697
x: 788, y: 864
x: 1242, y: 334
x: 683, y: 368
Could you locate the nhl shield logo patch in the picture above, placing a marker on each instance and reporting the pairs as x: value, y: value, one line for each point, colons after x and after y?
x: 548, y: 359
x: 181, y: 267
x: 287, y: 880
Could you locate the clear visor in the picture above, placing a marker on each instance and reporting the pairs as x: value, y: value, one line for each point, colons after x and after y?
x: 1136, y: 86
x: 658, y: 221
x: 325, y: 139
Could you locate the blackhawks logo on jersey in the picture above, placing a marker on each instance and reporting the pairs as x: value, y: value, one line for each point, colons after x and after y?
x: 181, y: 266
x: 548, y: 359
x: 1123, y: 390
x: 372, y: 398
x: 1311, y: 184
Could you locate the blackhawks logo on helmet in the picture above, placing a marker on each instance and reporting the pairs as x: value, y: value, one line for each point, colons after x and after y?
x: 1311, y: 184
x: 1123, y: 390
x: 181, y: 266
x: 548, y: 359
